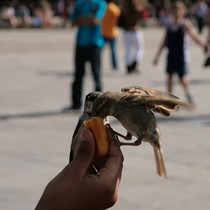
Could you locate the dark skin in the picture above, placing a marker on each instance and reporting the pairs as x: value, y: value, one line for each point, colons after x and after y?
x: 79, y: 186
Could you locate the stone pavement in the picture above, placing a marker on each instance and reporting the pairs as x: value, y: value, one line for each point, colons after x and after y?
x: 36, y: 69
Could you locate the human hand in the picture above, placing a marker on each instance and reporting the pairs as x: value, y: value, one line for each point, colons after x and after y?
x: 78, y: 186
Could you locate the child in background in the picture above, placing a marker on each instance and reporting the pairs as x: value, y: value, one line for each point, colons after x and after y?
x: 177, y: 42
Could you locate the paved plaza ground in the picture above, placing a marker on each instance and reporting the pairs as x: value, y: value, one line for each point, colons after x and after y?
x: 36, y: 68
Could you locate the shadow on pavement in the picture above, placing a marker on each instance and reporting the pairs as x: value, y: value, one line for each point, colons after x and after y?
x: 203, y: 118
x: 192, y: 82
x: 36, y: 114
x: 70, y: 73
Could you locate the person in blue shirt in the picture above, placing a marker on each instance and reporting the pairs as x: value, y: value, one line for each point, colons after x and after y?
x: 87, y: 16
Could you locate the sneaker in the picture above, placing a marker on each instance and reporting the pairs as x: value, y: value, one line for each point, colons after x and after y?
x: 129, y: 69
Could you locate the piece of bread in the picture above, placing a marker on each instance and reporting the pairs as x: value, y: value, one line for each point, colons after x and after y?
x: 96, y: 125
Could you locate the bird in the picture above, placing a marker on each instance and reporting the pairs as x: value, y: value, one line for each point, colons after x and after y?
x: 134, y: 107
x: 87, y: 113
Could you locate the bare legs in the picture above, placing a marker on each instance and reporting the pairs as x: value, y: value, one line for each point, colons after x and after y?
x: 185, y: 84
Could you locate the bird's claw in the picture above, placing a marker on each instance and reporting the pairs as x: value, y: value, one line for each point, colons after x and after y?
x: 135, y: 143
x: 127, y: 137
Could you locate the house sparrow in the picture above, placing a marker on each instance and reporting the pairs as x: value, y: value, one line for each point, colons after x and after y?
x: 87, y: 112
x: 134, y: 107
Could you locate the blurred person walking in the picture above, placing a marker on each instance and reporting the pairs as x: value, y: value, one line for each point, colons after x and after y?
x: 46, y: 14
x: 87, y: 16
x: 42, y: 15
x: 8, y: 16
x: 109, y: 30
x: 207, y: 56
x: 176, y: 40
x: 201, y: 11
x: 131, y: 15
x: 23, y: 15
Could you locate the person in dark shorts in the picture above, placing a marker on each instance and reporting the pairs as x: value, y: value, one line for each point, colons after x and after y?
x: 176, y: 40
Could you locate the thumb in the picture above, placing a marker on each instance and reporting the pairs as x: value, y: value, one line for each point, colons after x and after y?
x: 85, y: 152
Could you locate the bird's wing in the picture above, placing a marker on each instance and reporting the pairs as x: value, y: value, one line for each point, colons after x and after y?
x: 158, y: 101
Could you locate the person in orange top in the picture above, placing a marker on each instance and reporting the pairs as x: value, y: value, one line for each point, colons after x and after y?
x: 109, y: 29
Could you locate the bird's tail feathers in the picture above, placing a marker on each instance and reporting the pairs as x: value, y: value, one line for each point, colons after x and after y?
x: 160, y: 166
x: 165, y: 107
